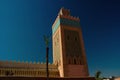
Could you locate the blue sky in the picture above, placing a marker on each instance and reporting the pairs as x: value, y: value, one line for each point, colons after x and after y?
x: 24, y: 22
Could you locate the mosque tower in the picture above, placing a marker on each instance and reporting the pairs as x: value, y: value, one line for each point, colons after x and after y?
x: 68, y: 46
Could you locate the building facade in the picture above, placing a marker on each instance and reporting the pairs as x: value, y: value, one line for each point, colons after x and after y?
x: 27, y: 69
x: 69, y: 59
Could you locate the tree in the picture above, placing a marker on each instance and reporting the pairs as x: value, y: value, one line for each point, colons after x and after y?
x: 97, y: 75
x: 47, y: 40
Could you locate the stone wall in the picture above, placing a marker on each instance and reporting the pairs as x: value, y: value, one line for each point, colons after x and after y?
x: 43, y: 78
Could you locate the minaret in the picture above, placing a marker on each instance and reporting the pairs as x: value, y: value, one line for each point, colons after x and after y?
x: 68, y: 47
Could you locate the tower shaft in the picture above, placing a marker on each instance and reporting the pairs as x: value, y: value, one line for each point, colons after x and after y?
x: 68, y: 46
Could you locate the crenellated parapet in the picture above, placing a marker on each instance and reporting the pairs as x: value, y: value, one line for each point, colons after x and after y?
x: 23, y: 62
x: 65, y: 13
x: 70, y: 17
x: 30, y: 65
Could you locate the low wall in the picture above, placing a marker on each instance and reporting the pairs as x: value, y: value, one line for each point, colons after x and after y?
x: 44, y: 78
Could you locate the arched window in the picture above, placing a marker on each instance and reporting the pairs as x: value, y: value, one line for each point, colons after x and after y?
x: 0, y: 72
x: 75, y: 61
x: 69, y: 61
x: 68, y: 37
x: 75, y: 38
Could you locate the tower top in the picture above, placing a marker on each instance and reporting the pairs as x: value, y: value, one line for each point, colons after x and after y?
x: 64, y: 12
x: 65, y: 18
